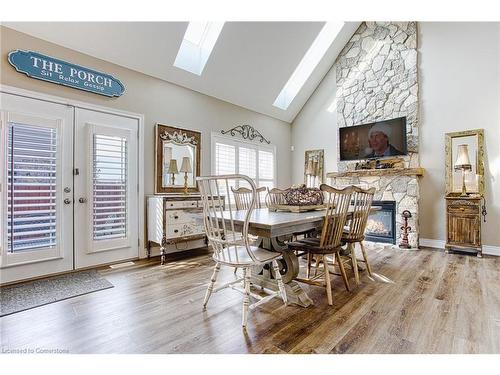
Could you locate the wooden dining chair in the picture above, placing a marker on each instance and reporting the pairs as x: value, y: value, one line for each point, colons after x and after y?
x: 337, y: 206
x: 354, y: 232
x: 243, y: 197
x: 231, y: 244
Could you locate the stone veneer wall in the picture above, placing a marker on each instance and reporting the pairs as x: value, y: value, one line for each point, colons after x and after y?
x: 377, y: 79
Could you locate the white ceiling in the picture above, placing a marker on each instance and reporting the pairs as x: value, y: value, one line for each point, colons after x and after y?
x: 250, y: 64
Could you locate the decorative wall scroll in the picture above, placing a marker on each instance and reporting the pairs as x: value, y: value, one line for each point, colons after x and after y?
x: 247, y: 132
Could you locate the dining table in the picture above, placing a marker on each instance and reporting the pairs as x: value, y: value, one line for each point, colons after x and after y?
x: 275, y: 228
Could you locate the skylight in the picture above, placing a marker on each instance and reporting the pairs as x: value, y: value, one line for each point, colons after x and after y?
x: 306, y: 66
x: 197, y: 45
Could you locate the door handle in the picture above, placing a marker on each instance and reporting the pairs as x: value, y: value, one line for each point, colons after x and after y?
x: 67, y: 201
x: 82, y: 200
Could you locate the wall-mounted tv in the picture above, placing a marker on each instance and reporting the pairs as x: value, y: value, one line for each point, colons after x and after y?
x: 374, y: 140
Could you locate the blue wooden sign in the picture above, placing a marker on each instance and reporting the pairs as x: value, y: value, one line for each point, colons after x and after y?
x: 46, y: 68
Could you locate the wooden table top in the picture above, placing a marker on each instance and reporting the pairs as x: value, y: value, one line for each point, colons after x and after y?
x: 270, y: 224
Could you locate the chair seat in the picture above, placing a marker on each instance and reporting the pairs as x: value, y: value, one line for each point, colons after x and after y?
x: 311, y: 245
x: 240, y: 257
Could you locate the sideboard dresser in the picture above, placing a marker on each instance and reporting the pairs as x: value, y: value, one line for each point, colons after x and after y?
x: 463, y: 223
x: 174, y: 218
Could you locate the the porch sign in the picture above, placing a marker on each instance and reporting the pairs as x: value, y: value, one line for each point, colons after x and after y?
x: 46, y: 68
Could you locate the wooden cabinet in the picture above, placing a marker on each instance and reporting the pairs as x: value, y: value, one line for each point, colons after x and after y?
x: 175, y: 218
x: 463, y: 223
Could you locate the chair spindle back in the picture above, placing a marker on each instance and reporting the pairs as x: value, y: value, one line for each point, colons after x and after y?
x: 337, y: 205
x: 222, y: 233
x: 361, y: 202
x: 243, y: 197
x: 275, y: 196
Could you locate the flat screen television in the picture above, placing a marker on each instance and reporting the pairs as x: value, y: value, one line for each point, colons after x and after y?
x: 374, y: 140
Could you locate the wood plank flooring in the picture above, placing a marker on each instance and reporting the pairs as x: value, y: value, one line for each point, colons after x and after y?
x: 421, y: 301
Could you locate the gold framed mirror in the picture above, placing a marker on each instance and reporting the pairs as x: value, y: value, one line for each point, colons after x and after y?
x: 314, y: 171
x: 177, y: 159
x: 465, y: 162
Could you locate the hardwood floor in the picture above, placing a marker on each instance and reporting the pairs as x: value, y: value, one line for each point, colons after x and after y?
x: 420, y: 302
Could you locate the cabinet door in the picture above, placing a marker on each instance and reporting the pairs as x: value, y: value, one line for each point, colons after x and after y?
x: 463, y: 230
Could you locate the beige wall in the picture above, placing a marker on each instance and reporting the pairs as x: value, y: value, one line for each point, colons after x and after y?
x: 157, y: 100
x: 459, y: 74
x: 460, y: 90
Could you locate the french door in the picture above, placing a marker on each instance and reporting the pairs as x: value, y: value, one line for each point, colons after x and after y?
x: 68, y: 188
x: 106, y: 188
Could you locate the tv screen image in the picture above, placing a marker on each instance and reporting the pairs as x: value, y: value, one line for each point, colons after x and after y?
x: 374, y: 140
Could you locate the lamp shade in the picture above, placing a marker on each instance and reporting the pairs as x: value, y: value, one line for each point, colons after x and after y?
x: 463, y: 161
x: 172, y: 167
x: 186, y: 165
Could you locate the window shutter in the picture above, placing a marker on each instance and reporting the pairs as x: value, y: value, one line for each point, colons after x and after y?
x: 109, y: 184
x: 31, y: 183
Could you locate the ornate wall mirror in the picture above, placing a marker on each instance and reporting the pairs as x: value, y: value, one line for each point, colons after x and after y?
x: 465, y: 162
x: 314, y: 171
x: 177, y: 159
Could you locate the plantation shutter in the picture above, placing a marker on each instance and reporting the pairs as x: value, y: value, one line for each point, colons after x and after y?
x: 31, y: 187
x: 109, y: 184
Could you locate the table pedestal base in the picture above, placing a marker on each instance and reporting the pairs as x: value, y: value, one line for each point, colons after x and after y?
x: 289, y: 270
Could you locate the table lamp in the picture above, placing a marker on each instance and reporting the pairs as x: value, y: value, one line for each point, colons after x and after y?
x: 463, y: 163
x: 186, y: 168
x: 172, y: 169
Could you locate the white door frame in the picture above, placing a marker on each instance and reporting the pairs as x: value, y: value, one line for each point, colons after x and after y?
x: 78, y: 104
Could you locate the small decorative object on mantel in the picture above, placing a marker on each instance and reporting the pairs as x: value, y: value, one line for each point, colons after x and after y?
x: 247, y: 132
x: 381, y: 164
x: 405, y: 229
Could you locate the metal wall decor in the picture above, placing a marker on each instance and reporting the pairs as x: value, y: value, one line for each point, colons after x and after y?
x: 247, y: 132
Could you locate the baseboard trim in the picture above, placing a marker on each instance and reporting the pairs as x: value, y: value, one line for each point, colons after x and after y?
x: 439, y: 244
x: 436, y: 244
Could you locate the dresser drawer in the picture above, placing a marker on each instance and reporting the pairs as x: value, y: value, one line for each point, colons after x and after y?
x: 184, y: 230
x: 183, y: 217
x: 181, y: 204
x: 467, y: 210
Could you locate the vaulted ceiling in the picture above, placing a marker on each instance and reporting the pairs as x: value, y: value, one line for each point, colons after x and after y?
x: 250, y: 64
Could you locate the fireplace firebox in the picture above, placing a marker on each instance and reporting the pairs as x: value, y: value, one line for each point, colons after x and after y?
x: 381, y: 225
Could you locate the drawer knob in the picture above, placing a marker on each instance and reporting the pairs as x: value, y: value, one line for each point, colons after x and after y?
x: 176, y: 217
x: 176, y: 230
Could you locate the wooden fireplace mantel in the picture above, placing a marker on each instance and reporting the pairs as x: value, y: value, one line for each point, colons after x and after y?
x: 378, y: 172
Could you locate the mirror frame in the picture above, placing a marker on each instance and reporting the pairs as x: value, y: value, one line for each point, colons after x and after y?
x: 320, y: 155
x: 479, y: 134
x: 181, y: 136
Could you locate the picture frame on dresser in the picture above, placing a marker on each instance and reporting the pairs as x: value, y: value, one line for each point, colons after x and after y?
x: 177, y: 159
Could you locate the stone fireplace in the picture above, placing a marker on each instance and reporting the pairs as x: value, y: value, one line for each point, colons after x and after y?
x: 377, y: 79
x: 398, y: 185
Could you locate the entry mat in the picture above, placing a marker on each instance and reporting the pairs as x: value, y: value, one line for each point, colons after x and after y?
x: 24, y: 296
